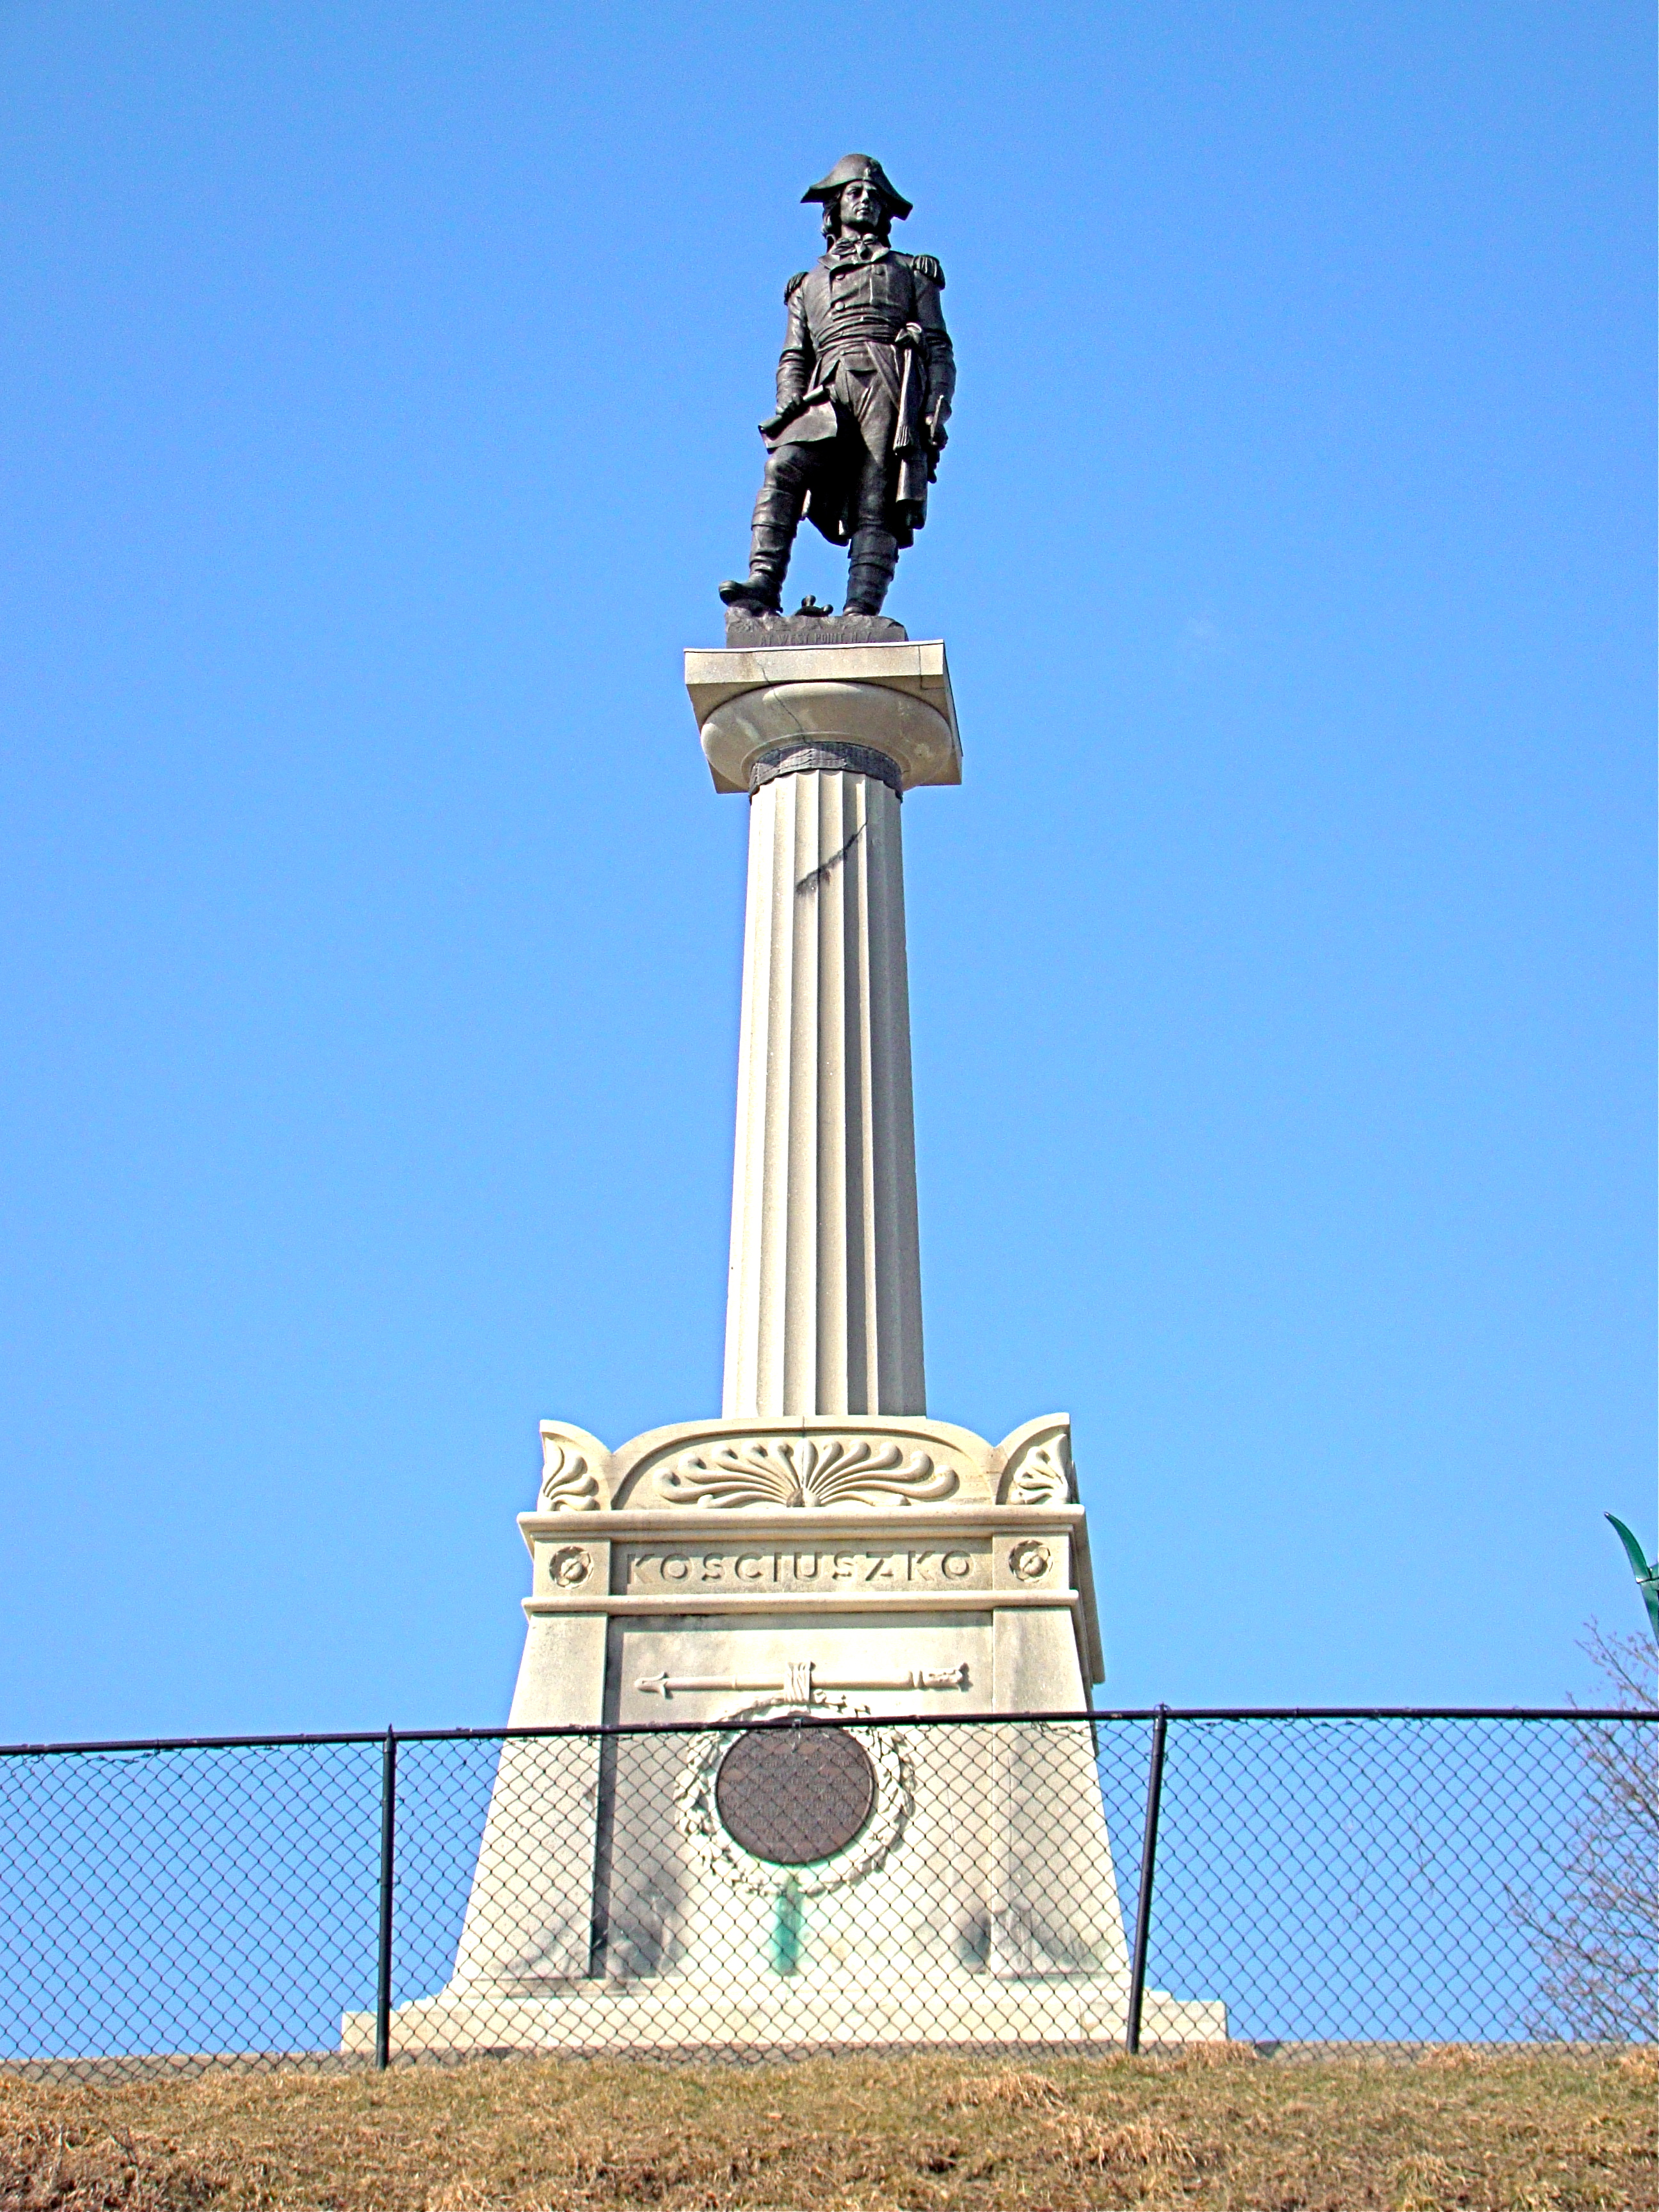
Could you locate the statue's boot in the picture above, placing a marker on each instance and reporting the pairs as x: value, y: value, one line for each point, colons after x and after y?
x: 874, y: 559
x: 769, y: 541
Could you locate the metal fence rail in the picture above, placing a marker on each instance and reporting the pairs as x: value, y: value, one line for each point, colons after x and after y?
x: 774, y: 1885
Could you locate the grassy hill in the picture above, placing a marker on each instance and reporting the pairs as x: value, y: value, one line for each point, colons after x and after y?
x: 1514, y: 2130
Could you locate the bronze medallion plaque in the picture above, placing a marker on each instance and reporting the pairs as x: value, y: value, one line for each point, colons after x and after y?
x: 794, y: 1795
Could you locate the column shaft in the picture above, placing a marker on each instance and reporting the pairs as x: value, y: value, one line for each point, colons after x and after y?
x: 824, y: 1307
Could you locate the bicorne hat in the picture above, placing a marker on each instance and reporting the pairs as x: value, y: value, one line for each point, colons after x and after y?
x: 858, y: 169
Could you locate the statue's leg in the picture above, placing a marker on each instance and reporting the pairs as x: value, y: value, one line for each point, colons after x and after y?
x: 870, y: 570
x: 777, y: 516
x: 874, y: 549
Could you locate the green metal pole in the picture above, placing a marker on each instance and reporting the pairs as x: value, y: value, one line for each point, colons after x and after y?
x: 785, y: 1928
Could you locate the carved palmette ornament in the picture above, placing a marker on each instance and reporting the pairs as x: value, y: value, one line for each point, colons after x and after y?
x: 698, y: 1819
x: 567, y: 1485
x: 805, y: 1471
x: 1041, y: 1473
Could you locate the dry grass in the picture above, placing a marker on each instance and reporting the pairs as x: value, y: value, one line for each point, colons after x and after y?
x: 1515, y: 2132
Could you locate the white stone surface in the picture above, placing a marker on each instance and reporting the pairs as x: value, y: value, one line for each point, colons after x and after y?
x: 769, y: 2011
x: 750, y: 1544
x: 717, y: 1572
x: 896, y: 699
x: 823, y: 1301
x: 822, y: 1547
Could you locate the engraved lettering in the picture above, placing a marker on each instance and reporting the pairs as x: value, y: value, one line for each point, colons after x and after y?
x: 966, y: 1565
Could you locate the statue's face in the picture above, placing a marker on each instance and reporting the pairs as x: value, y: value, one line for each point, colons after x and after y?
x: 861, y: 206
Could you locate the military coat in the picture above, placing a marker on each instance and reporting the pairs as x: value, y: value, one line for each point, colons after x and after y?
x: 864, y: 307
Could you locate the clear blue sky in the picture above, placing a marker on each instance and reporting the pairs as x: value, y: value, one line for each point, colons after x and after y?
x: 381, y: 389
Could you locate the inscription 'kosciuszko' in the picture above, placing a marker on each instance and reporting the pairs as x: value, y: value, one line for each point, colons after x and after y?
x: 805, y: 1471
x: 819, y: 1567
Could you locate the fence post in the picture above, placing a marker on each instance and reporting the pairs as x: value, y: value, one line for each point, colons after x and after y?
x: 383, y: 1966
x: 1143, y: 1902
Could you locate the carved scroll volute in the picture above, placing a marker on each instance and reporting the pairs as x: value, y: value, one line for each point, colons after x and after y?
x: 1038, y: 1470
x: 570, y: 1480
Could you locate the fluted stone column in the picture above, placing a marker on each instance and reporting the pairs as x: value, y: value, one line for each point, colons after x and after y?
x: 824, y: 1307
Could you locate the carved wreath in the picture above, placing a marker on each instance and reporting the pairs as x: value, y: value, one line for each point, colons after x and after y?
x: 715, y: 1851
x: 805, y: 1471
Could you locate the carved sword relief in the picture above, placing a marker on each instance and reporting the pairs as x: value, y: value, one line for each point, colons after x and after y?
x: 805, y: 1471
x: 801, y: 1681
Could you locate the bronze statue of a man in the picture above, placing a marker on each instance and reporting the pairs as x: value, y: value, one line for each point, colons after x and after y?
x: 865, y: 383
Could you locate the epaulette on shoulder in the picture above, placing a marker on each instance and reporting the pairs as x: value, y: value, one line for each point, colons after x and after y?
x: 925, y: 266
x: 795, y: 285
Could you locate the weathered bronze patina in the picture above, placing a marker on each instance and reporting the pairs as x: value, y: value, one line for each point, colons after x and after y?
x: 793, y: 1797
x: 865, y: 385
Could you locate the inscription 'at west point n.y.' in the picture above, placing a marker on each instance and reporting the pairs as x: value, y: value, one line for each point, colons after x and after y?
x: 810, y: 1566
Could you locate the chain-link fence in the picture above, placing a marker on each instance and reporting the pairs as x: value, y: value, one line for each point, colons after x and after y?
x: 805, y: 1882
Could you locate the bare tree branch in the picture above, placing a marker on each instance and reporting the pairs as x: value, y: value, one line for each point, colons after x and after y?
x: 1599, y: 1943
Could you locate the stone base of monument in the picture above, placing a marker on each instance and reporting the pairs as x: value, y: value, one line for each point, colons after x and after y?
x: 923, y: 1870
x: 847, y: 2009
x: 745, y: 629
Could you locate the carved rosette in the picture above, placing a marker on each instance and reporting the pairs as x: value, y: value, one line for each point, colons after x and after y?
x: 805, y: 1471
x: 567, y: 1486
x: 721, y: 1855
x: 1041, y: 1472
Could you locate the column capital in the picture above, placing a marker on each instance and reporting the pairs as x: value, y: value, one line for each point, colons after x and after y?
x: 891, y: 699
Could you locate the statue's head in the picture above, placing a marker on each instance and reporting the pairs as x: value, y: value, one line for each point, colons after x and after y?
x: 858, y: 195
